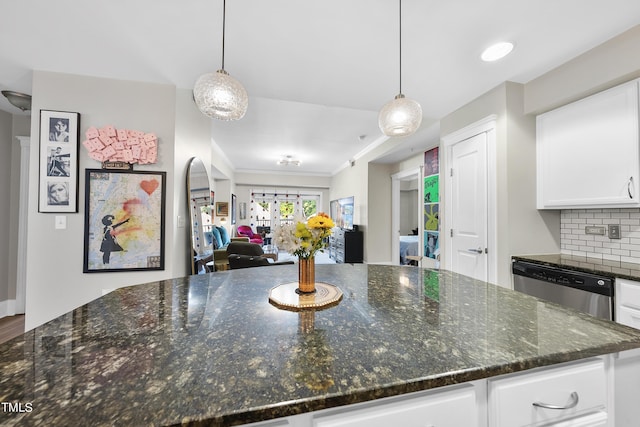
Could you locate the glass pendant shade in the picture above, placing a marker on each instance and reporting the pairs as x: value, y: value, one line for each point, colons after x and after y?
x: 220, y: 96
x: 400, y: 117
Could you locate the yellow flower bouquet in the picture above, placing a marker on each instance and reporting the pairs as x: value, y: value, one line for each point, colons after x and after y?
x: 302, y: 239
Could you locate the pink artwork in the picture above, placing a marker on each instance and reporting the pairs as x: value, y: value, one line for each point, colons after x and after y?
x: 111, y: 144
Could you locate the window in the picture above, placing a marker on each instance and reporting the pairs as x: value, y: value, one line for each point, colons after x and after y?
x: 310, y: 206
x: 287, y: 212
x: 275, y: 208
x: 262, y: 209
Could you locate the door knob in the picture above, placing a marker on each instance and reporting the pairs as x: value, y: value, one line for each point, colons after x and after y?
x: 478, y: 251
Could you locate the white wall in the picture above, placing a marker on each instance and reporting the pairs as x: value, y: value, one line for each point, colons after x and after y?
x: 55, y: 282
x: 192, y: 139
x: 613, y: 62
x: 353, y: 181
x: 246, y: 182
x: 5, y: 213
x: 11, y: 125
x: 370, y: 184
x: 243, y: 194
x: 521, y: 227
x: 408, y: 210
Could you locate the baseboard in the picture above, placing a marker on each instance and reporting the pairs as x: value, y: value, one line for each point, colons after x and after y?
x: 7, y: 308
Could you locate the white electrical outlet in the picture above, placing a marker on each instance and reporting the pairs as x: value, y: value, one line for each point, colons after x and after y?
x: 594, y: 229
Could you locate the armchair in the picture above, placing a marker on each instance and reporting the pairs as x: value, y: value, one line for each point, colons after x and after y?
x: 245, y: 230
x: 219, y: 239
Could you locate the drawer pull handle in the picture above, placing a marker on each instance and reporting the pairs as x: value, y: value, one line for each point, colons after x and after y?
x: 572, y: 404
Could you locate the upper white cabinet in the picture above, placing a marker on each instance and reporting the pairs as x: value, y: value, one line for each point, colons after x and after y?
x: 587, y: 152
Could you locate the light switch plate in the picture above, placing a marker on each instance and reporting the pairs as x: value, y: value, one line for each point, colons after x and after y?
x: 614, y: 231
x: 61, y: 222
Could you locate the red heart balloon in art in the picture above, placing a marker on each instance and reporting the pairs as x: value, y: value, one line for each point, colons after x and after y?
x: 149, y: 186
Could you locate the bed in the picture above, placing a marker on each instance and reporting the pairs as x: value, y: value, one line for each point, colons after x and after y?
x: 408, y: 247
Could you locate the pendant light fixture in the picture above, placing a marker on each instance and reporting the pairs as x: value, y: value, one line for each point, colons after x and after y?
x: 218, y: 95
x: 401, y: 116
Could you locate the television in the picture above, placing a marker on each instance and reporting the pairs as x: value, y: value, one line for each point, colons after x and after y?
x: 342, y: 212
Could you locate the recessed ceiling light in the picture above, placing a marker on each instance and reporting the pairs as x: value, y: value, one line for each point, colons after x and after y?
x: 497, y: 51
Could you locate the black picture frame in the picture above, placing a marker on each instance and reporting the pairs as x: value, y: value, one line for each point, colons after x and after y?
x: 59, y: 164
x: 124, y: 220
x: 233, y: 208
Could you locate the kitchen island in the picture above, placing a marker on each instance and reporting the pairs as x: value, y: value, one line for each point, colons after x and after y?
x: 212, y: 350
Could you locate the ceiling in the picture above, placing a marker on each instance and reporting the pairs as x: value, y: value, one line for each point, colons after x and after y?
x: 317, y: 72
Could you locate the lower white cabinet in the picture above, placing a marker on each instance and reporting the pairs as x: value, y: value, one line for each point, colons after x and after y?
x: 627, y: 297
x: 573, y: 395
x: 606, y: 395
x: 446, y: 409
x: 599, y: 419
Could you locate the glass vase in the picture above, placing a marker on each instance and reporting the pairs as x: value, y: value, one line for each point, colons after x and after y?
x: 307, y: 275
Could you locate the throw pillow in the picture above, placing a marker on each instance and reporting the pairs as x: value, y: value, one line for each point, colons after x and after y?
x: 217, y: 237
x: 224, y: 236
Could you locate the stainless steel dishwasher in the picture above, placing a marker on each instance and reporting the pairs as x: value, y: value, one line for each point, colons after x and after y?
x: 586, y: 292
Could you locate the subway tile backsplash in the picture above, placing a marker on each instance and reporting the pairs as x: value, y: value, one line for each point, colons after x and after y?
x: 574, y: 240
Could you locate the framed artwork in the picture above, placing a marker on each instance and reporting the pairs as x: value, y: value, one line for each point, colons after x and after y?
x: 242, y: 210
x: 59, y: 143
x: 124, y: 220
x: 222, y: 209
x: 233, y: 209
x: 431, y: 162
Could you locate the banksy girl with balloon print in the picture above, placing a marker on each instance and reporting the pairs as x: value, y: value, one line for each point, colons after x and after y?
x: 124, y: 223
x: 109, y: 241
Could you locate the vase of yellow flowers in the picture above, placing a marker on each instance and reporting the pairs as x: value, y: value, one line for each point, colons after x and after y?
x: 304, y: 240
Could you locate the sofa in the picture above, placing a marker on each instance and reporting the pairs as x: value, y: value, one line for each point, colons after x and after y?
x: 247, y: 254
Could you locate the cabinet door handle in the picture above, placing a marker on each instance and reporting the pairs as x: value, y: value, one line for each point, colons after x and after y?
x: 629, y: 184
x: 572, y: 404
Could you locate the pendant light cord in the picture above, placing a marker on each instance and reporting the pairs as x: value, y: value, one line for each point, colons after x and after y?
x: 400, y: 50
x: 224, y: 15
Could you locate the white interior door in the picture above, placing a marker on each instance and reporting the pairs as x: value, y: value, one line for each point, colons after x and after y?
x: 468, y: 226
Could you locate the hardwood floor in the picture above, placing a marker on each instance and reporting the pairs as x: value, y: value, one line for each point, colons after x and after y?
x: 11, y: 327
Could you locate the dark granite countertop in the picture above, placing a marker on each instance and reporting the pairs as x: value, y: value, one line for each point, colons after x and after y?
x: 212, y: 350
x: 624, y: 270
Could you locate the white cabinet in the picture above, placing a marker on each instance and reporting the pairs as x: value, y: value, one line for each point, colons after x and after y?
x: 627, y: 299
x: 573, y: 395
x: 606, y: 395
x: 444, y: 409
x: 587, y: 152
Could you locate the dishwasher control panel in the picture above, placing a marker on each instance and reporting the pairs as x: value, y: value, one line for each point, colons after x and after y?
x: 576, y: 279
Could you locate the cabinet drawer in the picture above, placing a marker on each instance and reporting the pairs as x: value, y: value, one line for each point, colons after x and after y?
x: 444, y: 409
x: 628, y: 316
x: 599, y: 419
x: 511, y: 399
x: 628, y: 293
